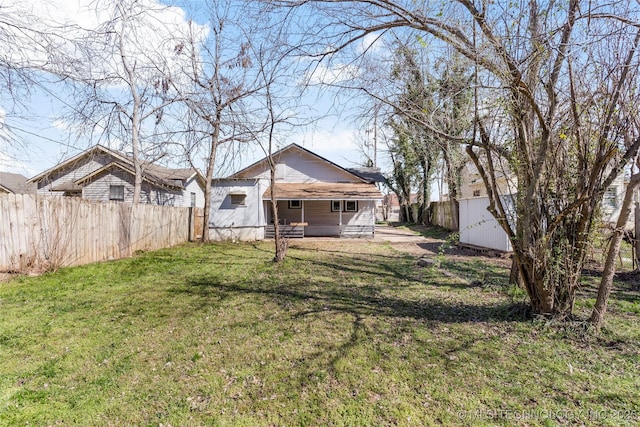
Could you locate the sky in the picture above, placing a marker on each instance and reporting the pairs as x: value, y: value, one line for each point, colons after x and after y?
x: 40, y: 138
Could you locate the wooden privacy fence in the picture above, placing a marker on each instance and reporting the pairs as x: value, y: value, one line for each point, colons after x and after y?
x: 45, y: 232
x: 441, y: 215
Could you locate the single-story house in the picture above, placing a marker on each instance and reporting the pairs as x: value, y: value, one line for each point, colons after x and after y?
x: 315, y: 197
x: 100, y: 173
x: 14, y: 183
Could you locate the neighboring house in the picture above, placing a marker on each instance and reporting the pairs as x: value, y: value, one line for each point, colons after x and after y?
x: 612, y: 202
x: 100, y: 173
x: 14, y: 183
x: 479, y: 228
x: 473, y: 185
x: 315, y: 197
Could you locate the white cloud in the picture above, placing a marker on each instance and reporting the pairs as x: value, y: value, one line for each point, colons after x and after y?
x: 332, y: 74
x: 54, y: 34
x: 372, y: 43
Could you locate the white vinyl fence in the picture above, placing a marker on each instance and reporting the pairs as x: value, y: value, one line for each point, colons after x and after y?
x: 479, y: 228
x: 47, y: 232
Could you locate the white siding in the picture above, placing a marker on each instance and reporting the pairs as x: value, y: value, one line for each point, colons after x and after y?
x: 295, y: 165
x: 612, y: 203
x: 226, y: 215
x: 479, y: 228
x: 193, y: 186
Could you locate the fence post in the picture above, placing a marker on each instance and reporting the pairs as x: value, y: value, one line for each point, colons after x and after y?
x: 190, y: 221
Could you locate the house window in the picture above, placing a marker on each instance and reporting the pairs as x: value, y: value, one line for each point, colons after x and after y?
x: 238, y: 199
x: 476, y: 193
x: 295, y: 204
x: 116, y: 193
x: 351, y: 206
x: 611, y: 197
x: 336, y: 206
x: 193, y: 200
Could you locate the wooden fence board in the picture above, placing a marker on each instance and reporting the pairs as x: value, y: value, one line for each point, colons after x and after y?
x: 41, y: 232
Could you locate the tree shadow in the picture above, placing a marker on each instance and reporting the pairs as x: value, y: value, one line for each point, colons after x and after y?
x: 363, y: 301
x: 348, y: 262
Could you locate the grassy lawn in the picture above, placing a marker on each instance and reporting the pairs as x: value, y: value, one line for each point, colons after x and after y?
x: 343, y: 333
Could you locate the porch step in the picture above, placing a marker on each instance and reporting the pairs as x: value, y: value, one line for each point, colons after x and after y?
x: 289, y: 231
x: 357, y: 230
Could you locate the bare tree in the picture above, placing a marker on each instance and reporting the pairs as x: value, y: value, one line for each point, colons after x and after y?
x: 559, y: 75
x: 279, y: 95
x: 30, y: 51
x: 216, y: 88
x: 123, y: 86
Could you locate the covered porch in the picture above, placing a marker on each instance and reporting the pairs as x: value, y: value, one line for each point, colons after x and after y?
x: 323, y: 209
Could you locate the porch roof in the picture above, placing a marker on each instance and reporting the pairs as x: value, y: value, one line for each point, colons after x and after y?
x: 324, y: 191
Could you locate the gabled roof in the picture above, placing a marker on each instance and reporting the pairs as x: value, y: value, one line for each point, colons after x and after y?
x: 15, y: 183
x: 145, y: 177
x: 86, y: 153
x: 152, y: 173
x: 298, y: 147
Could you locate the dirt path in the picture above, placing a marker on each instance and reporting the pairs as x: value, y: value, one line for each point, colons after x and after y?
x: 407, y: 240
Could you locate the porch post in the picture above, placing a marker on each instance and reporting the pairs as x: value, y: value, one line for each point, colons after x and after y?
x: 302, y: 216
x: 340, y: 219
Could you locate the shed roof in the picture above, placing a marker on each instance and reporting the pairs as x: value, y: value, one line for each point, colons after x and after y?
x: 370, y: 174
x: 324, y: 191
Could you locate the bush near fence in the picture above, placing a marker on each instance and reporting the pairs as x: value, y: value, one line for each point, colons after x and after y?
x: 39, y: 233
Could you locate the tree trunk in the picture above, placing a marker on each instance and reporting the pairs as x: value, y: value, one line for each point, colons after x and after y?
x: 606, y: 283
x: 281, y: 242
x: 211, y: 162
x: 455, y: 214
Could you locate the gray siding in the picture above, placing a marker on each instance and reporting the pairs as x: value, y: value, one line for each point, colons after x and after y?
x: 82, y: 168
x: 98, y: 189
x: 295, y: 166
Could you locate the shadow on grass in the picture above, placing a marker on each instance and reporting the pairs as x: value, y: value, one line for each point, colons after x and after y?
x: 428, y: 231
x: 374, y: 264
x: 306, y: 299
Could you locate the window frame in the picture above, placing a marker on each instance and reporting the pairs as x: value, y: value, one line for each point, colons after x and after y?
x: 238, y: 199
x: 346, y: 206
x: 116, y: 188
x: 295, y: 204
x: 333, y: 206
